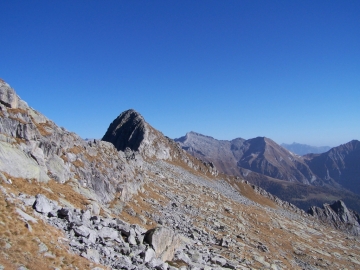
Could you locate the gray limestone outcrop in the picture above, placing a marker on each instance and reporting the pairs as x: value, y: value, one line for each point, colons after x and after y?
x: 34, y: 147
x: 338, y: 216
x: 8, y: 96
x: 164, y: 242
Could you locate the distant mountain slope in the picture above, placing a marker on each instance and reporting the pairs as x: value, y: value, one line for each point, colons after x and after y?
x: 261, y: 155
x: 303, y: 149
x: 340, y: 164
x: 220, y: 152
x: 302, y: 181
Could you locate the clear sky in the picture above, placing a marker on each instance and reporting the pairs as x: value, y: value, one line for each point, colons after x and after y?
x: 287, y: 70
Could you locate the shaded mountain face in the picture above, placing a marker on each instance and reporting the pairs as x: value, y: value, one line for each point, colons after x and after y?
x: 340, y: 165
x: 127, y: 130
x: 303, y: 181
x: 260, y: 155
x: 303, y: 149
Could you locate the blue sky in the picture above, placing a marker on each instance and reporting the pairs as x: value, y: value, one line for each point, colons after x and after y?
x: 287, y: 70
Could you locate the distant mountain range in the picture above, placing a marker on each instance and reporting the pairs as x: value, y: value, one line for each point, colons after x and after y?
x: 303, y: 149
x: 302, y: 180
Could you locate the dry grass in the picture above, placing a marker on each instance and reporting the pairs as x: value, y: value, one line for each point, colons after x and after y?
x: 92, y: 158
x: 42, y: 127
x: 58, y: 190
x: 78, y: 163
x: 247, y: 191
x: 64, y: 158
x: 19, y: 140
x: 18, y: 119
x: 17, y: 110
x: 76, y: 150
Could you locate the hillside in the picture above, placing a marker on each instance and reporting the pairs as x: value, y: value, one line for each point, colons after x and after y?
x: 302, y: 181
x: 338, y: 165
x: 141, y: 202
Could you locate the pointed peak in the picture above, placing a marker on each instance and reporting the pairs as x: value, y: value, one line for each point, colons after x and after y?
x: 8, y: 96
x: 127, y: 130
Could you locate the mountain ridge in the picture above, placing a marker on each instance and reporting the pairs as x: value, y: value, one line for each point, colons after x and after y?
x: 67, y: 203
x: 262, y: 161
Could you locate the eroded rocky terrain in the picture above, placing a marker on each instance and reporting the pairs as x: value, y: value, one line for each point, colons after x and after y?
x: 67, y: 203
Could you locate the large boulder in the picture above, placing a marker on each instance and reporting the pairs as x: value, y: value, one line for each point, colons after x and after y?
x: 164, y: 242
x: 44, y: 205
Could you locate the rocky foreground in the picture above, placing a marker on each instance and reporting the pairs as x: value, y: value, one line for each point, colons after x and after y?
x: 66, y: 203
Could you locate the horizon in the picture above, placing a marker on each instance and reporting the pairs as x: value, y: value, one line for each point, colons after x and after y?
x: 287, y: 71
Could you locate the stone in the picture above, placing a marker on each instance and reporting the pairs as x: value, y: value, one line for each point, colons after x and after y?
x: 108, y: 233
x: 218, y: 260
x: 43, y: 204
x: 82, y: 231
x: 25, y: 216
x: 132, y: 240
x: 155, y: 262
x: 149, y: 255
x: 42, y: 247
x: 92, y: 254
x: 65, y: 213
x: 164, y: 242
x: 123, y: 228
x: 92, y: 237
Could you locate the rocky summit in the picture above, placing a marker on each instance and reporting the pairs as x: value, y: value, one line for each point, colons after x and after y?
x: 137, y: 200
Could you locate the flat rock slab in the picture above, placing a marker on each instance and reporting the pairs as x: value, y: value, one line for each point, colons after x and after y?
x: 25, y: 216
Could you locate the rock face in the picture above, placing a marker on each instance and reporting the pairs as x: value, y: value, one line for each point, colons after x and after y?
x: 338, y: 166
x: 8, y: 96
x: 33, y: 147
x: 163, y: 241
x: 127, y: 130
x: 339, y: 216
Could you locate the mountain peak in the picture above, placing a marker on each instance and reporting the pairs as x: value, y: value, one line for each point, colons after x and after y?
x: 127, y: 130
